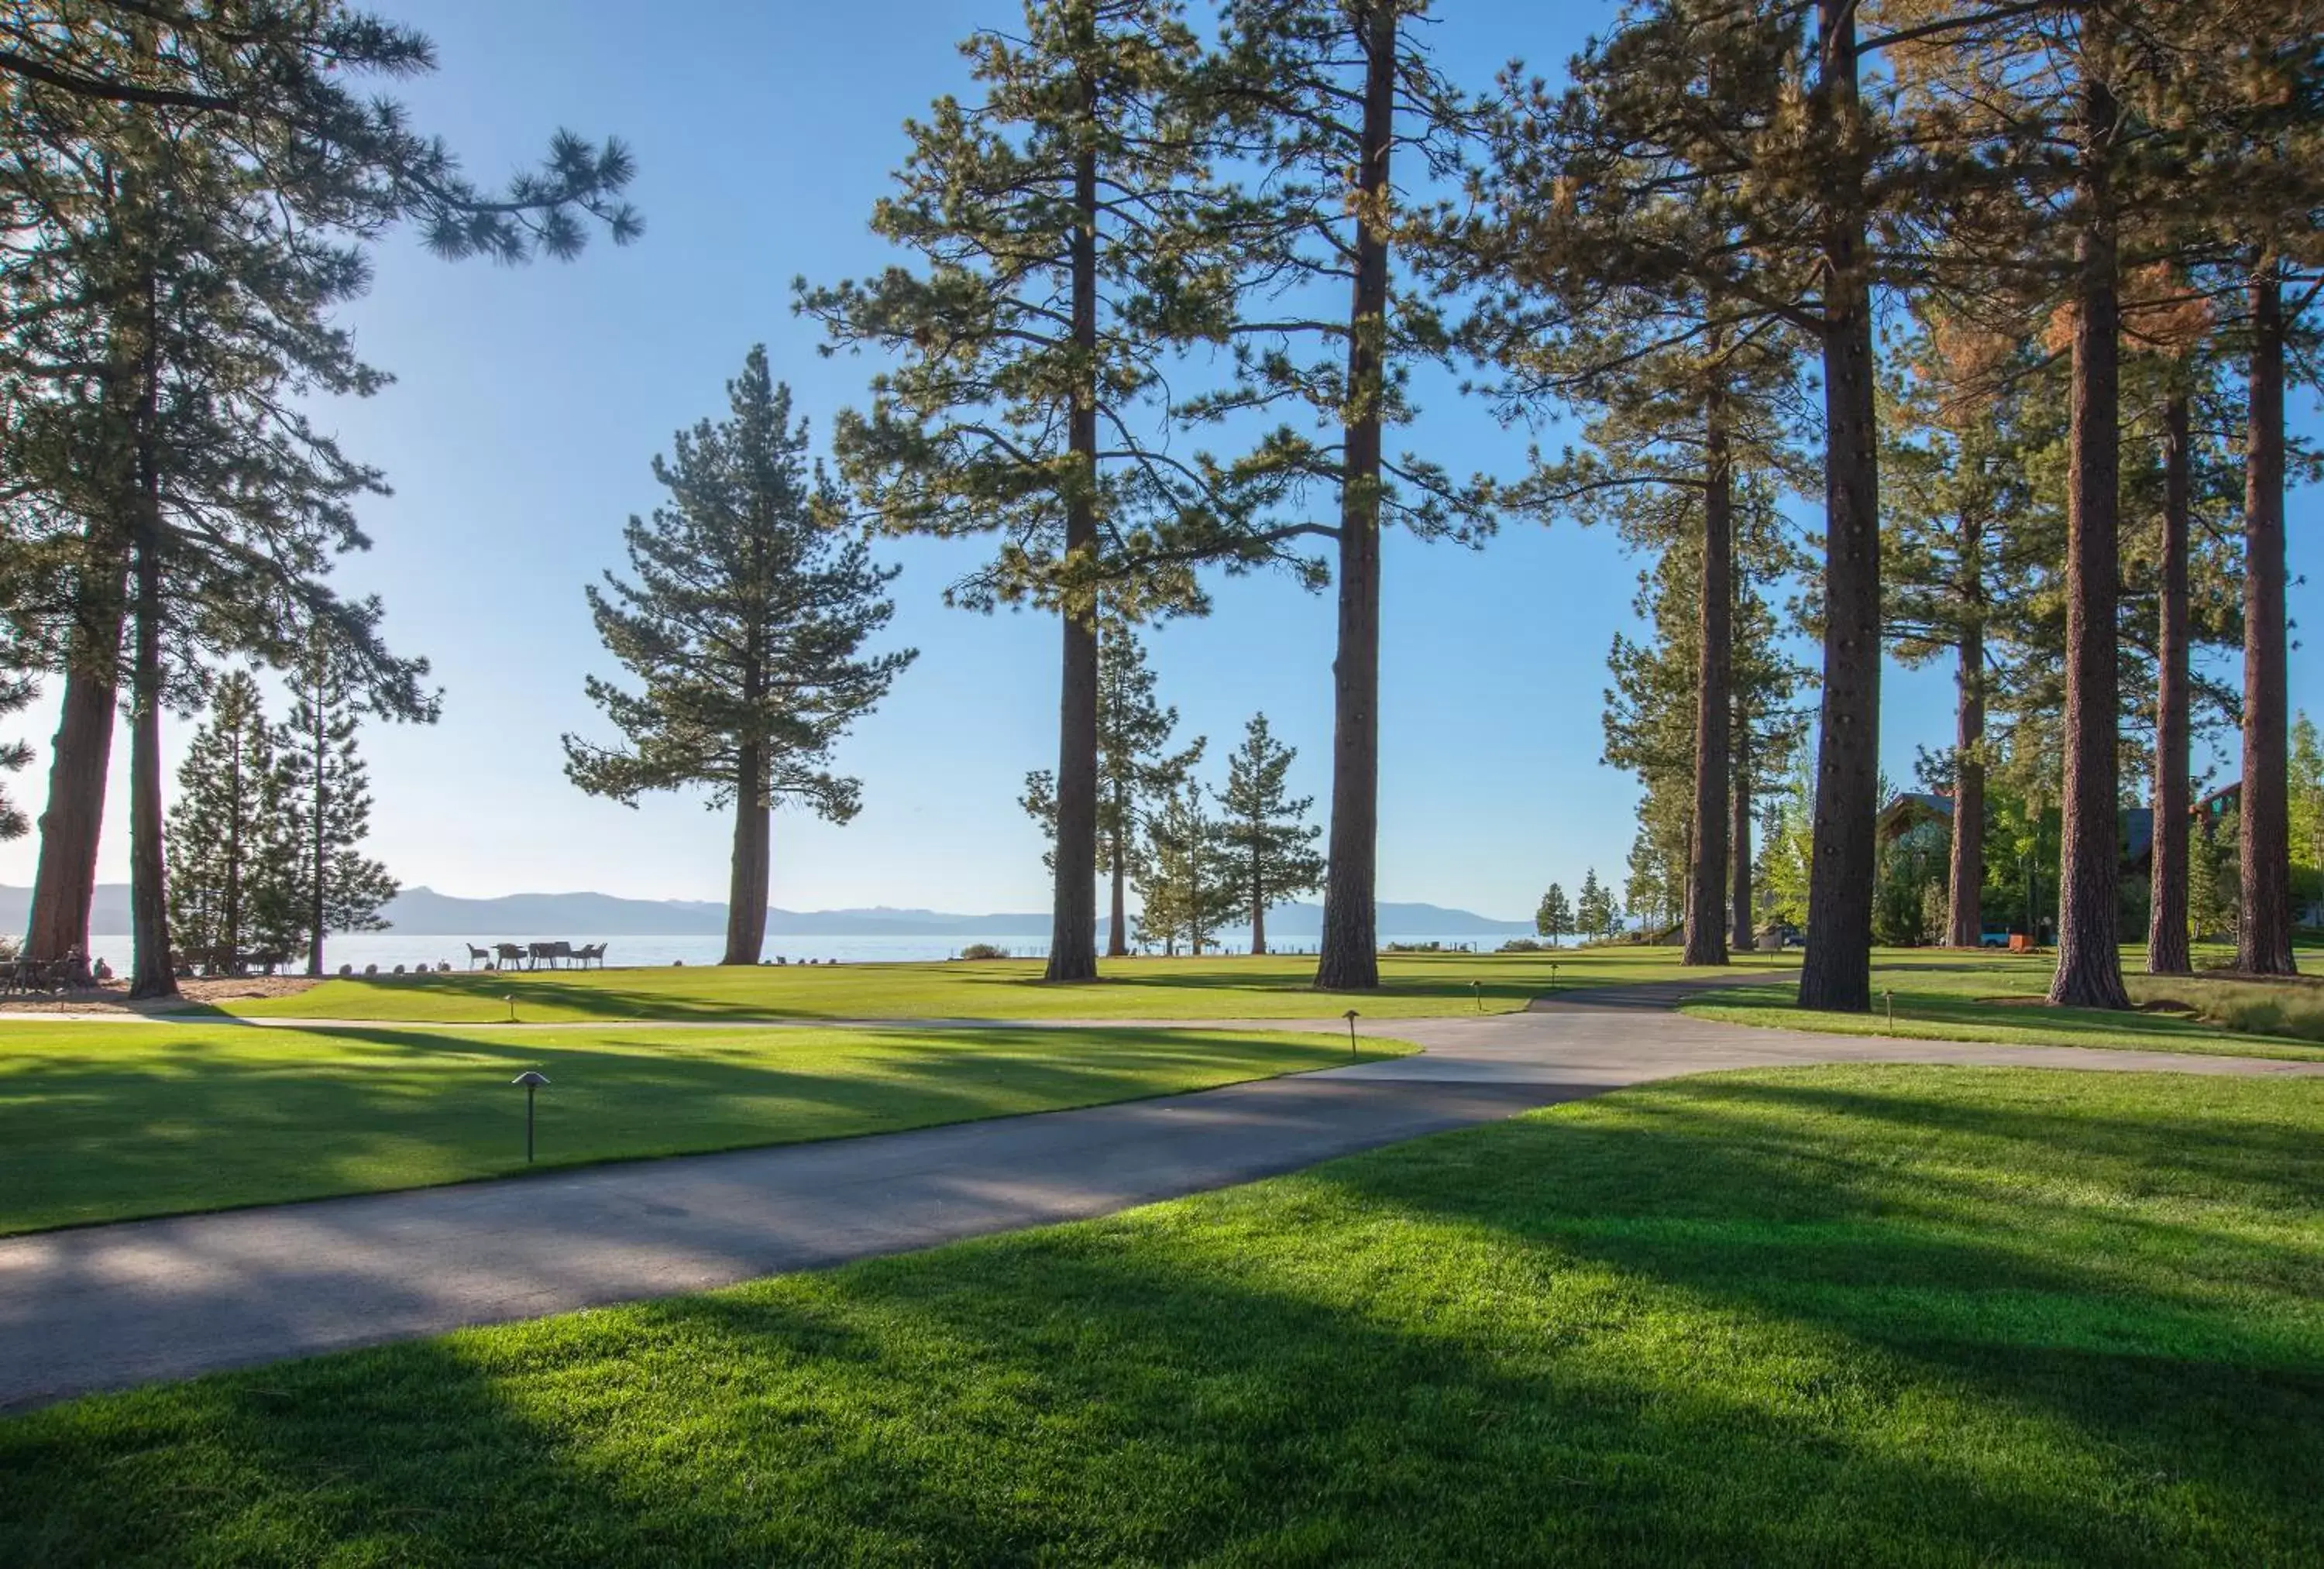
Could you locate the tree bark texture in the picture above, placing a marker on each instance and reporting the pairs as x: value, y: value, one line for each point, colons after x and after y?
x: 153, y: 973
x: 65, y: 884
x: 1258, y: 909
x: 747, y: 879
x: 1073, y: 934
x: 1836, y: 971
x: 2264, y: 933
x: 1350, y: 958
x: 1706, y: 867
x: 2166, y: 933
x: 2089, y: 964
x: 1117, y: 931
x: 317, y: 847
x: 1965, y: 874
x: 1738, y: 849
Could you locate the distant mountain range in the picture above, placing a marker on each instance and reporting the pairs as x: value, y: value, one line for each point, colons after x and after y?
x: 425, y: 913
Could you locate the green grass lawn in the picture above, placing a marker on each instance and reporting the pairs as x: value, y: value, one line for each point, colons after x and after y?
x: 103, y: 1121
x: 1963, y: 997
x: 1276, y: 987
x: 1838, y: 1315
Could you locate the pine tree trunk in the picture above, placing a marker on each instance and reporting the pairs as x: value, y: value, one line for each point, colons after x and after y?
x: 2166, y: 933
x: 1072, y: 935
x: 1965, y: 872
x: 1350, y: 958
x: 230, y: 936
x: 152, y: 972
x: 1117, y: 932
x: 1706, y: 867
x: 1738, y: 850
x: 1836, y: 971
x: 319, y: 846
x: 1258, y: 906
x: 65, y: 884
x: 747, y: 879
x: 2264, y: 931
x: 2089, y: 964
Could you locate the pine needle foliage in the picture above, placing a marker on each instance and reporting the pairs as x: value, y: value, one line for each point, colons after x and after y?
x: 1264, y: 833
x: 743, y: 622
x: 230, y: 847
x: 333, y: 885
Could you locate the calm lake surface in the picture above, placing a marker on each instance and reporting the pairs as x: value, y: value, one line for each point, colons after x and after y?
x: 389, y: 949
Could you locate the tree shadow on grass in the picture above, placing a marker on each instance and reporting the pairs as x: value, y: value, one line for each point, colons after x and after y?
x: 2179, y: 1344
x: 1297, y: 1372
x: 182, y: 1126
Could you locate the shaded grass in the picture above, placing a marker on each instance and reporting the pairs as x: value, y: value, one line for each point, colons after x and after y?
x: 1270, y: 986
x: 1999, y: 999
x: 104, y: 1122
x: 1837, y: 1315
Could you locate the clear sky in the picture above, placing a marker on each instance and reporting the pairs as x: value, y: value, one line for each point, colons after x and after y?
x: 528, y: 404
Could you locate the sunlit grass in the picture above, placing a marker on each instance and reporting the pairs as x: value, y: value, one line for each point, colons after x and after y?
x: 102, y: 1121
x: 1839, y: 1316
x: 1998, y: 998
x: 1274, y: 986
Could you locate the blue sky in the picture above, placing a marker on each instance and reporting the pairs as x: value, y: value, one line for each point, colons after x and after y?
x: 528, y: 404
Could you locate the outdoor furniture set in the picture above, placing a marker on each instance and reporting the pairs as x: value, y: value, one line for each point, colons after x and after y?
x: 533, y: 954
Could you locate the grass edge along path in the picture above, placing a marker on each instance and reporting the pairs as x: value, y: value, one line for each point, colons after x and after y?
x: 1833, y: 1315
x: 101, y: 1123
x: 2004, y: 1006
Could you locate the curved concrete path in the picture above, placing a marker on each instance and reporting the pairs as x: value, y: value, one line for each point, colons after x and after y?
x: 108, y: 1306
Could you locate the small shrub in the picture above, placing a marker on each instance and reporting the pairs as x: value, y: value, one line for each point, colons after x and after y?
x: 983, y: 951
x: 1521, y: 945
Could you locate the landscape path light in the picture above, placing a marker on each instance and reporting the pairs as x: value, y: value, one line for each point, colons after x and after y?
x: 1477, y: 990
x: 532, y: 1079
x: 1351, y: 1016
x: 510, y: 1000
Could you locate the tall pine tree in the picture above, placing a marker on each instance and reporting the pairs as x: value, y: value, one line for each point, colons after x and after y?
x: 1554, y: 917
x: 1064, y: 225
x: 230, y: 850
x: 1268, y: 843
x: 1326, y: 100
x: 1136, y: 767
x: 1186, y: 887
x: 110, y: 109
x: 744, y: 626
x: 332, y: 885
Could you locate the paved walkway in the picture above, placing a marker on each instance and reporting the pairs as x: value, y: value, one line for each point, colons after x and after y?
x: 108, y: 1306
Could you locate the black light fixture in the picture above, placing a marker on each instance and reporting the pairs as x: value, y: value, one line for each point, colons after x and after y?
x: 1351, y: 1016
x: 532, y: 1079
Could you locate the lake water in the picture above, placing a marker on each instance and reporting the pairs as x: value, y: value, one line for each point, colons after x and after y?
x: 389, y: 949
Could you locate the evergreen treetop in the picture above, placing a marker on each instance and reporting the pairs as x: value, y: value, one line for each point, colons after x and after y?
x: 744, y: 620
